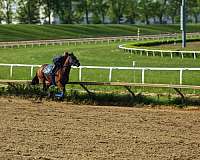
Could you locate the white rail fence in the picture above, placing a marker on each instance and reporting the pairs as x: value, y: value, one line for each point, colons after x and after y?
x: 162, y: 53
x: 91, y: 40
x: 142, y: 69
x: 80, y: 41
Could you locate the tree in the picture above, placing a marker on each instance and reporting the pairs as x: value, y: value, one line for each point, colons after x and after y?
x: 131, y: 11
x: 159, y: 9
x: 117, y: 10
x: 145, y: 9
x: 100, y: 10
x: 173, y: 9
x: 65, y: 11
x: 82, y: 10
x: 85, y: 7
x: 6, y: 12
x: 28, y: 11
x: 1, y: 11
x: 48, y: 6
x: 193, y: 9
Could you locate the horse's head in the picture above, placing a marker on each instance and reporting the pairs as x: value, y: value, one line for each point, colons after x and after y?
x: 72, y: 60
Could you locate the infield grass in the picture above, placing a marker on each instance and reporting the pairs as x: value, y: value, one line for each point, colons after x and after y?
x: 100, y: 55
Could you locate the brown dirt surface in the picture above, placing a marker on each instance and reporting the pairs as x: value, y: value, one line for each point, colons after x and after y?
x: 58, y: 130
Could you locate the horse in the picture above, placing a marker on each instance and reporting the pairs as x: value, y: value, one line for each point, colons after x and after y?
x: 43, y: 74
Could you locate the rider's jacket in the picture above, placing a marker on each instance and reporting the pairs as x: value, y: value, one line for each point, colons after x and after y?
x: 59, y: 60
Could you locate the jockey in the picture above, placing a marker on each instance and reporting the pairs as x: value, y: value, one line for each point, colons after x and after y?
x: 58, y: 62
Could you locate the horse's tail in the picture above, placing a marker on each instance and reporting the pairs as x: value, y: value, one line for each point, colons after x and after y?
x: 35, y: 80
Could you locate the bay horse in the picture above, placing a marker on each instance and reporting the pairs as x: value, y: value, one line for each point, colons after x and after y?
x: 61, y: 76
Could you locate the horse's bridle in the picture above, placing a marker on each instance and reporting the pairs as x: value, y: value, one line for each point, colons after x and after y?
x: 67, y: 64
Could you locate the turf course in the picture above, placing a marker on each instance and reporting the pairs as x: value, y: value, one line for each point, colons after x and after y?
x: 33, y: 32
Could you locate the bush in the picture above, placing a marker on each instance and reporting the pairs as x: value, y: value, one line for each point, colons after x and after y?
x: 160, y: 42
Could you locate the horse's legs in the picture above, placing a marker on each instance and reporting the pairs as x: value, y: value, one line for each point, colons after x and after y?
x: 35, y: 80
x: 61, y: 87
x: 63, y: 91
x: 44, y: 85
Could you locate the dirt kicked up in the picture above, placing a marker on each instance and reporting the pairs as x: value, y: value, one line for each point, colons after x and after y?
x: 57, y: 131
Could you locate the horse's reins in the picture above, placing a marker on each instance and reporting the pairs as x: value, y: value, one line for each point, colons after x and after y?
x: 67, y: 64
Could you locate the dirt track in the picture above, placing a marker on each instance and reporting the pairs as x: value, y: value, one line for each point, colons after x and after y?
x: 50, y: 130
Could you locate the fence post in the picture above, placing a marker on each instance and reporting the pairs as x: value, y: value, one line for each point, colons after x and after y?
x: 110, y: 74
x: 11, y: 70
x: 194, y: 55
x: 80, y: 73
x: 161, y: 54
x: 138, y: 34
x: 31, y: 71
x: 181, y: 76
x: 143, y: 75
x: 182, y: 55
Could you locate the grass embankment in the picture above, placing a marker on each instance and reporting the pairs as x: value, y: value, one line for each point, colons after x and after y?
x: 34, y: 32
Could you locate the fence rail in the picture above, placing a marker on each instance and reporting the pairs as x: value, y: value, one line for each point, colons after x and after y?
x: 163, y: 52
x: 142, y: 69
x: 142, y: 51
x: 91, y: 40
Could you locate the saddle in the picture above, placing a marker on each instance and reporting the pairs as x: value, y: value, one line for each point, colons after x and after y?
x: 48, y: 70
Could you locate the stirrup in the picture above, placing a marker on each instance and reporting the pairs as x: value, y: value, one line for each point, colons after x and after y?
x: 52, y: 86
x: 60, y: 94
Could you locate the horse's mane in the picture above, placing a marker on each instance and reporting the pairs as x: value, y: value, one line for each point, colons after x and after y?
x: 72, y: 54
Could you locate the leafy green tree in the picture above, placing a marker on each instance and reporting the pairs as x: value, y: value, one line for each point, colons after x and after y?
x: 159, y: 9
x: 117, y: 10
x: 49, y: 6
x: 83, y: 9
x: 65, y: 11
x: 6, y: 12
x: 146, y: 10
x: 131, y: 11
x: 100, y: 10
x: 173, y: 9
x: 194, y: 9
x: 1, y: 11
x: 28, y: 11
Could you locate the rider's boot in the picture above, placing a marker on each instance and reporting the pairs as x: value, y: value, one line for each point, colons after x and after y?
x: 53, y: 81
x: 53, y: 75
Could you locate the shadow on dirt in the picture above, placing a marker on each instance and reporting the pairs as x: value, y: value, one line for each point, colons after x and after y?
x: 101, y: 99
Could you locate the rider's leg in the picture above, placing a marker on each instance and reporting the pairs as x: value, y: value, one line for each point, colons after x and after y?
x: 53, y: 75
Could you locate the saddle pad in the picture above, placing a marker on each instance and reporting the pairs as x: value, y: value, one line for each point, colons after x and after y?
x: 47, y: 70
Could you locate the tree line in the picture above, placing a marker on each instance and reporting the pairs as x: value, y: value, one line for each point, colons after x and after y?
x: 97, y: 11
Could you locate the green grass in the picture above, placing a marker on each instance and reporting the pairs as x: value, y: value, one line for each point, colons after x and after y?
x: 33, y: 32
x: 100, y: 55
x: 95, y: 54
x: 91, y: 55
